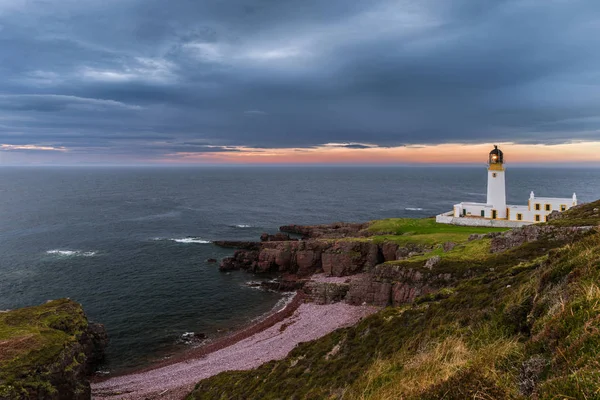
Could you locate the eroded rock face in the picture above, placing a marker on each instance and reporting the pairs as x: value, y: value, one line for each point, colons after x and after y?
x: 306, y: 257
x: 242, y: 259
x: 395, y: 285
x: 531, y: 233
x: 365, y: 290
x: 325, y: 292
x: 350, y: 257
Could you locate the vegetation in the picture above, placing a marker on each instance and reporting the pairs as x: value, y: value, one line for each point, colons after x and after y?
x: 521, y: 324
x: 423, y: 231
x: 413, y: 226
x: 34, y: 344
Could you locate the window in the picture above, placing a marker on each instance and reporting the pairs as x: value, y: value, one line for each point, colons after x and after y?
x: 483, y: 213
x: 494, y: 174
x: 548, y: 207
x: 563, y: 207
x: 538, y: 206
x: 537, y: 218
x: 519, y: 217
x: 545, y: 218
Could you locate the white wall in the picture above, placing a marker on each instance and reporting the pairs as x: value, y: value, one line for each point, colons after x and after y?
x: 500, y: 223
x: 496, y: 193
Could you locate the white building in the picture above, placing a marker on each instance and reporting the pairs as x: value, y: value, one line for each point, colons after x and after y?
x: 495, y: 212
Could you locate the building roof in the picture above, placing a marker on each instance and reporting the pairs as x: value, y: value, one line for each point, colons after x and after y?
x: 467, y: 203
x: 567, y: 199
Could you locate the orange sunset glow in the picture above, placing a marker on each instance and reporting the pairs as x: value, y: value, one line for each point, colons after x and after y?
x: 580, y: 152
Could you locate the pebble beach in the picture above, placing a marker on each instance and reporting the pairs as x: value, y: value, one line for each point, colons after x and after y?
x: 271, y: 339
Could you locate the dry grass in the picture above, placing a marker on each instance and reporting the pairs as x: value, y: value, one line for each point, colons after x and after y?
x: 407, y: 375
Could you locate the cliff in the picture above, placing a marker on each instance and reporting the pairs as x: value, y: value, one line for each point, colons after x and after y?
x: 495, y: 315
x: 47, y: 351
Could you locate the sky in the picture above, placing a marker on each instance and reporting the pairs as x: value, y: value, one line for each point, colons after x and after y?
x: 298, y: 81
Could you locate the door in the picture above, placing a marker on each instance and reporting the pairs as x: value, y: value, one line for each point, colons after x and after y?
x: 494, y: 214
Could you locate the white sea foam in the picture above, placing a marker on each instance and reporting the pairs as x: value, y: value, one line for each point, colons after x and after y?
x: 281, y: 304
x: 72, y: 253
x: 243, y: 226
x: 413, y: 209
x: 191, y: 240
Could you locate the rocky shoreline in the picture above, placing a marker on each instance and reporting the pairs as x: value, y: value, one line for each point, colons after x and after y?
x: 339, y: 273
x: 379, y: 273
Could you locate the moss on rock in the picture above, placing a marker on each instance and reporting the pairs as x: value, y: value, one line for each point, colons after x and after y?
x: 46, y: 351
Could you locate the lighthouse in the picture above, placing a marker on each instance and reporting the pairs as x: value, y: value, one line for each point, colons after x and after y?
x: 495, y: 211
x: 496, y: 185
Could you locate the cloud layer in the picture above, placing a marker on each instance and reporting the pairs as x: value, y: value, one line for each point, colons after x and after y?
x: 144, y: 81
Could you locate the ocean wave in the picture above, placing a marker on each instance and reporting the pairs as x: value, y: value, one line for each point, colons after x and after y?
x: 282, y: 303
x: 413, y: 209
x: 242, y: 226
x: 72, y: 253
x: 191, y: 240
x: 185, y: 240
x: 476, y: 194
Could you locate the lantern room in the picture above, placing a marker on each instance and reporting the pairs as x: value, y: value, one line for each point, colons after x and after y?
x: 496, y: 156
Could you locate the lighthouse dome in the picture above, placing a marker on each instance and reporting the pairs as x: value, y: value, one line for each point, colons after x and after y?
x: 496, y: 156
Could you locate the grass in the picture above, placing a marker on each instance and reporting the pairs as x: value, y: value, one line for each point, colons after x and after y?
x: 520, y: 324
x: 424, y: 226
x: 465, y: 252
x: 425, y: 231
x: 32, y: 341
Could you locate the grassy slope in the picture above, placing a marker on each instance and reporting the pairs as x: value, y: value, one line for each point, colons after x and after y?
x: 33, y: 338
x: 526, y: 324
x: 423, y: 231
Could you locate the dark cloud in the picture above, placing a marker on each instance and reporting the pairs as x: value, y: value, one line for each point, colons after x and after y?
x: 147, y: 78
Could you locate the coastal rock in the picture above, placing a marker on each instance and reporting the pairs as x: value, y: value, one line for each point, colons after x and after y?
x: 54, y: 349
x: 336, y: 230
x: 235, y: 244
x: 432, y: 262
x: 531, y: 233
x: 395, y: 285
x: 389, y: 251
x: 325, y: 292
x: 350, y: 257
x: 278, y: 237
x: 476, y: 236
x: 283, y: 285
x: 365, y: 290
x: 448, y: 246
x: 192, y: 338
x: 242, y: 259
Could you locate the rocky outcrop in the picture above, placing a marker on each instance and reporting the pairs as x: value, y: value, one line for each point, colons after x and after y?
x: 283, y: 285
x: 394, y: 285
x: 336, y: 230
x: 306, y: 257
x: 531, y: 233
x: 325, y: 292
x: 49, y: 351
x: 278, y: 237
x: 350, y: 257
x: 236, y: 244
x: 242, y: 259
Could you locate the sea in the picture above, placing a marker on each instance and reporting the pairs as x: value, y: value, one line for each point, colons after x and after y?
x: 132, y: 244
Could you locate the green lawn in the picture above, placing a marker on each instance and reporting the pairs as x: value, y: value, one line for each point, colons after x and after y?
x: 424, y: 226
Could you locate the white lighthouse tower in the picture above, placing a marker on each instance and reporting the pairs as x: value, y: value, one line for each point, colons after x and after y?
x: 495, y: 211
x: 496, y: 187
